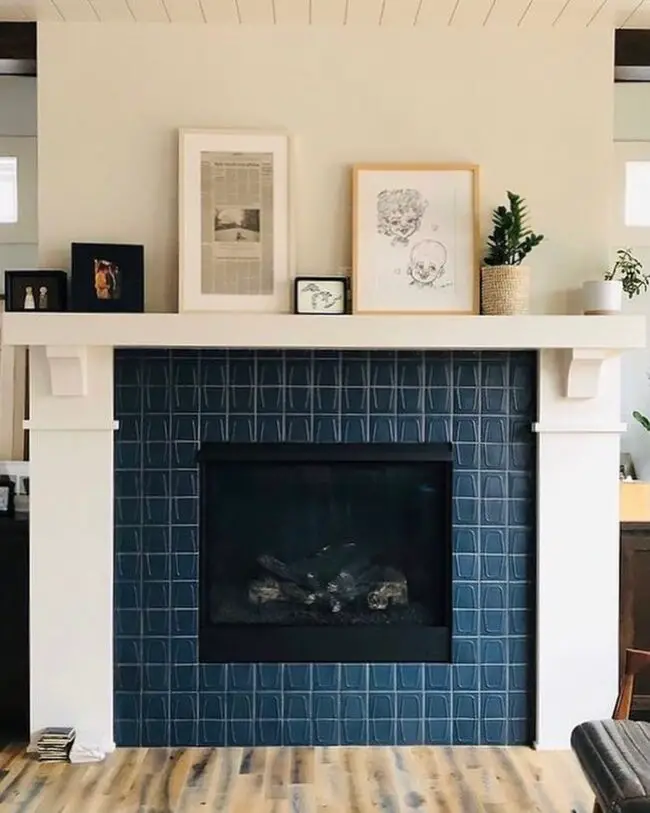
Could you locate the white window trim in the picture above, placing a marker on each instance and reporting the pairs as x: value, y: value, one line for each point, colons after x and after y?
x: 622, y: 234
x: 13, y: 174
x: 25, y: 230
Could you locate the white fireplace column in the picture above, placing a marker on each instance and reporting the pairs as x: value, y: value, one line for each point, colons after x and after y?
x: 577, y: 548
x: 72, y: 472
x: 71, y: 543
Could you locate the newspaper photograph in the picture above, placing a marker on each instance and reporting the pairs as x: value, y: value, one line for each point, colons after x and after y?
x: 237, y: 223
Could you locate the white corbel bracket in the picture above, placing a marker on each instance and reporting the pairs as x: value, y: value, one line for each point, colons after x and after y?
x: 68, y: 370
x: 583, y: 371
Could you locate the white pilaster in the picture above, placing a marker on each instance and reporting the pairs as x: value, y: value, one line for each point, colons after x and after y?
x: 71, y: 551
x: 577, y: 552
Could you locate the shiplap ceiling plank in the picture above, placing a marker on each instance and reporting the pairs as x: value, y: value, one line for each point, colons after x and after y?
x: 149, y: 11
x: 113, y: 11
x: 507, y: 13
x: 470, y: 13
x: 399, y: 12
x: 77, y: 11
x: 533, y: 14
x: 580, y: 13
x: 185, y: 11
x: 328, y: 12
x: 256, y: 12
x: 641, y: 17
x: 12, y: 12
x: 435, y: 13
x: 43, y: 10
x: 561, y: 13
x: 292, y: 12
x: 223, y: 12
x: 628, y: 12
x: 364, y: 12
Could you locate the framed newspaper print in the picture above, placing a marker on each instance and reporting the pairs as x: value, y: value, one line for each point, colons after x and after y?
x: 415, y: 238
x: 234, y: 221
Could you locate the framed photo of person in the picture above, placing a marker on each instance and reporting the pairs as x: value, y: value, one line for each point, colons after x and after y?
x: 416, y: 244
x: 36, y: 291
x: 107, y: 278
x: 234, y: 238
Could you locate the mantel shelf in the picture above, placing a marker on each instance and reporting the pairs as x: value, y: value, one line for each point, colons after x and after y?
x: 588, y: 340
x: 260, y: 330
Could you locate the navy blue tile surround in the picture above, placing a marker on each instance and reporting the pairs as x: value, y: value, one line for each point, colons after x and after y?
x: 168, y: 401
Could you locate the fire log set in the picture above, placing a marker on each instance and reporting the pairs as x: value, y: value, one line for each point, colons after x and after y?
x: 335, y: 577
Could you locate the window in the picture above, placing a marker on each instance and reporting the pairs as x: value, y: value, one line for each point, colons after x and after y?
x: 637, y: 193
x: 8, y: 190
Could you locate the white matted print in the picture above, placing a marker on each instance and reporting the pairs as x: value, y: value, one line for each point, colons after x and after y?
x: 325, y: 295
x: 234, y: 221
x: 415, y: 238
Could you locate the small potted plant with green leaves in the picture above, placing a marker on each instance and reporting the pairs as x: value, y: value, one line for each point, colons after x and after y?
x: 605, y: 296
x: 505, y: 282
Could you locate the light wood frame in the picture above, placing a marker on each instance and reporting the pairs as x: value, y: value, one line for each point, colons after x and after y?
x: 476, y: 230
x: 191, y: 144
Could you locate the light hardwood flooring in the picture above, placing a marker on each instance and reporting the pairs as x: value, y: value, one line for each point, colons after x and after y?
x: 298, y: 780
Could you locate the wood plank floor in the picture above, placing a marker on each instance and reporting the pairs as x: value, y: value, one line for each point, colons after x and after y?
x: 298, y: 780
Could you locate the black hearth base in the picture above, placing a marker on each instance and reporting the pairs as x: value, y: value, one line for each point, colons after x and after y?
x: 359, y: 644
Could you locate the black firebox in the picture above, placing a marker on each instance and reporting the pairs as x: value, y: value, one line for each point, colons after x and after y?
x: 325, y: 552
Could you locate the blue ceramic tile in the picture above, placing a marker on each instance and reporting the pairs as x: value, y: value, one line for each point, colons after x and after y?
x: 168, y: 402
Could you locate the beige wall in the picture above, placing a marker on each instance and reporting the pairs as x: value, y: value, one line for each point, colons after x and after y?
x: 533, y: 109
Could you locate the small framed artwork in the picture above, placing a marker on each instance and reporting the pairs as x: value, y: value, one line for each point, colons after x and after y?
x: 416, y: 242
x: 107, y: 278
x: 234, y: 221
x: 36, y: 291
x: 320, y: 295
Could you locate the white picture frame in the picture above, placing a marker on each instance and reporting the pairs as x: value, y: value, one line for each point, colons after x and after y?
x: 415, y: 239
x: 234, y: 221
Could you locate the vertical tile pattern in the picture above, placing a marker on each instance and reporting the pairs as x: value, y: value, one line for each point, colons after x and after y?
x: 167, y: 402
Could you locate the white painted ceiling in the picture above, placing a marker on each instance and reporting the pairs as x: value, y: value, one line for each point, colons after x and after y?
x: 421, y: 14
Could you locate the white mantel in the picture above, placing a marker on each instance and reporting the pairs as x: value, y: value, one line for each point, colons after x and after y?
x: 71, y: 479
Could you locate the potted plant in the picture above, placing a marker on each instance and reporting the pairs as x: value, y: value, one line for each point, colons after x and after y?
x: 605, y: 296
x: 505, y: 282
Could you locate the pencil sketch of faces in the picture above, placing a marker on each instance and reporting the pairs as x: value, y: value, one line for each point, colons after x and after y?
x: 427, y: 264
x: 399, y: 214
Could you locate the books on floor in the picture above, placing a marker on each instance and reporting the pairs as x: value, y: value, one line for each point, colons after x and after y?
x: 54, y: 744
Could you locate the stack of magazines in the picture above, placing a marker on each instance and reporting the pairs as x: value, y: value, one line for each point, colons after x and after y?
x: 54, y: 744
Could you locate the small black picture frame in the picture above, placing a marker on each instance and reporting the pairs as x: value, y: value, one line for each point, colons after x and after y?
x: 107, y: 278
x: 320, y: 296
x: 37, y: 291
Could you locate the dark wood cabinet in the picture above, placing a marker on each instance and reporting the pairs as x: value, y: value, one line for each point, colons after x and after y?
x: 635, y: 604
x: 14, y: 629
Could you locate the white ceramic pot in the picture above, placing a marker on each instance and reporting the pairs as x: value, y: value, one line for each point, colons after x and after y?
x: 602, y: 297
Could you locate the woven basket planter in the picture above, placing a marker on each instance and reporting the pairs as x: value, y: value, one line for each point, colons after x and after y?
x: 505, y: 290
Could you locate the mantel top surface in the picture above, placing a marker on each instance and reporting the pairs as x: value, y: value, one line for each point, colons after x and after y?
x: 255, y: 330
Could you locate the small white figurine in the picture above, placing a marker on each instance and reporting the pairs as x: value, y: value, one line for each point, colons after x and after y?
x: 42, y: 298
x: 29, y: 304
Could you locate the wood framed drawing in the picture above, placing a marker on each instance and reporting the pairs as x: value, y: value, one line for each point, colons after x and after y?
x: 234, y: 221
x: 416, y: 239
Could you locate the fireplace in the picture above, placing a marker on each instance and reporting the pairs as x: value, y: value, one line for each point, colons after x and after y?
x: 325, y: 552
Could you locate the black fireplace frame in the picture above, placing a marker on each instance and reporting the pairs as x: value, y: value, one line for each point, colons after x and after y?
x: 302, y: 644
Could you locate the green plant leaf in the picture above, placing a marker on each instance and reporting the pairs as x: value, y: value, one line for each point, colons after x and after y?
x: 641, y: 419
x: 511, y: 239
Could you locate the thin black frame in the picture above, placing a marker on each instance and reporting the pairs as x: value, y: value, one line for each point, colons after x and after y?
x: 239, y: 643
x: 332, y: 278
x: 52, y: 277
x: 130, y: 260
